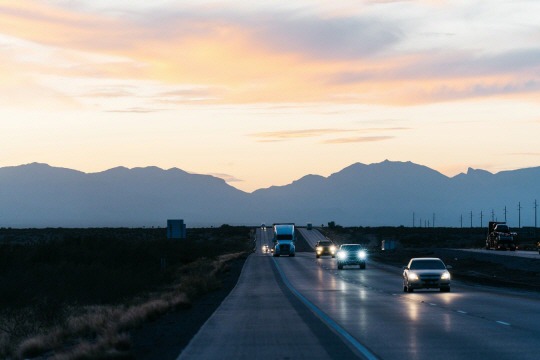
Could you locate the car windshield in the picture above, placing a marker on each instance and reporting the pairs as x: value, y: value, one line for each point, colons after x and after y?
x: 325, y: 243
x: 284, y: 237
x: 502, y: 228
x: 427, y: 265
x: 351, y: 247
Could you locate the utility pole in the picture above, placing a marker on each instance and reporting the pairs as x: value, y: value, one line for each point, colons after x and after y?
x: 535, y: 208
x: 461, y: 221
x: 471, y: 219
x: 519, y: 214
x: 481, y: 218
x: 492, y: 215
x: 413, y: 223
x: 505, y: 213
x: 433, y: 219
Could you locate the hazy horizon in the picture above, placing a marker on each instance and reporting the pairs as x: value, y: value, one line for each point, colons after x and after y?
x: 263, y: 93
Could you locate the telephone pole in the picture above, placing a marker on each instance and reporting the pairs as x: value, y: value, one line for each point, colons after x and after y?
x: 505, y: 214
x: 535, y: 208
x: 519, y: 215
x: 461, y: 217
x: 413, y: 223
x: 433, y: 219
x: 481, y: 218
x: 471, y: 219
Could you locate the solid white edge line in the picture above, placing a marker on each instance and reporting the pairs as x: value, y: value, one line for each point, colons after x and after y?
x: 325, y: 318
x: 503, y: 323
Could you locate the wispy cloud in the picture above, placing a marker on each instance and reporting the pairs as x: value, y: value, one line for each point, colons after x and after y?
x: 295, y: 134
x: 359, y: 139
x: 138, y: 110
x: 313, y: 133
x: 228, y: 178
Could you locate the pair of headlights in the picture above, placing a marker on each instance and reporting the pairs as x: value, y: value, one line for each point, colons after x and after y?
x: 342, y: 255
x: 320, y: 249
x: 444, y: 276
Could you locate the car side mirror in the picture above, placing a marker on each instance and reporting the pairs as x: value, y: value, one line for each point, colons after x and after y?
x: 405, y: 268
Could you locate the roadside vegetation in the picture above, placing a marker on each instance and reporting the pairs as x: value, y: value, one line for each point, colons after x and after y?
x: 76, y: 293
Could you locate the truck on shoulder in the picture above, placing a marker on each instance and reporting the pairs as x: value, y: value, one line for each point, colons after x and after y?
x: 284, y: 239
x: 500, y: 237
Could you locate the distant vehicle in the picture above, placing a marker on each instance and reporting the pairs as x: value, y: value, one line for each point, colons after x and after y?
x: 500, y: 237
x: 426, y: 273
x: 265, y: 249
x: 351, y: 254
x: 263, y: 226
x: 309, y: 226
x: 284, y: 239
x: 325, y: 247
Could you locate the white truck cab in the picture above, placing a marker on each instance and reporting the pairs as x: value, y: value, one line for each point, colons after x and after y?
x: 284, y: 239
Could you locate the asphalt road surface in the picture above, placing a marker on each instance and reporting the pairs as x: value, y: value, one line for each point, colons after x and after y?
x: 303, y: 307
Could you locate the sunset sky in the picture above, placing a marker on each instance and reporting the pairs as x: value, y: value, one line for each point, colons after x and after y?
x: 262, y: 93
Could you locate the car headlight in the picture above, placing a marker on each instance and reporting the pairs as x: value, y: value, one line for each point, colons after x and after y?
x: 342, y: 255
x: 362, y: 254
x: 318, y: 248
x: 332, y: 249
x: 413, y: 276
x: 445, y: 276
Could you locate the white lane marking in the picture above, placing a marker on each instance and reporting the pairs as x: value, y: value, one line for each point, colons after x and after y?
x: 432, y: 304
x: 325, y: 318
x: 461, y: 312
x: 503, y: 323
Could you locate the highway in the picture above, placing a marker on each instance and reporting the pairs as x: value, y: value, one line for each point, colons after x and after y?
x: 302, y: 307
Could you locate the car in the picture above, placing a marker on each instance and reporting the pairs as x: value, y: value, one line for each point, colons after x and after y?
x: 325, y: 247
x: 263, y: 226
x: 426, y: 273
x: 265, y: 249
x: 351, y: 254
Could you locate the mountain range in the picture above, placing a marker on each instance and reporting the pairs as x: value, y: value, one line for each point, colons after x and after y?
x: 382, y: 194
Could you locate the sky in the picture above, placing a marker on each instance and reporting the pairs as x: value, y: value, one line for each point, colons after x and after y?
x: 261, y: 93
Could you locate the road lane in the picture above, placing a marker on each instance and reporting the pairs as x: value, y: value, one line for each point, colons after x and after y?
x: 463, y: 324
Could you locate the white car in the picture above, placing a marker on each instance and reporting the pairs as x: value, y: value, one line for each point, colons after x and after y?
x: 426, y: 273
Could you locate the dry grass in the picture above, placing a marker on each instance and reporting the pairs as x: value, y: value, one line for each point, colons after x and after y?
x: 99, y: 332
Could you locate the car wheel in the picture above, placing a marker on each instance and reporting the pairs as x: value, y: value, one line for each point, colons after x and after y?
x: 333, y: 256
x: 276, y: 255
x: 445, y: 289
x: 409, y: 289
x: 317, y: 256
x: 292, y: 255
x: 340, y: 267
x: 362, y: 266
x: 404, y: 288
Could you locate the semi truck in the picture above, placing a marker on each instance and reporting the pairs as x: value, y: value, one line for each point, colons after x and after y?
x: 500, y: 237
x: 284, y: 239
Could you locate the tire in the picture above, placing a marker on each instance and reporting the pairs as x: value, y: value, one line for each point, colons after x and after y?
x: 292, y: 255
x: 404, y: 288
x: 317, y: 256
x: 445, y: 289
x: 334, y: 256
x: 276, y: 255
x: 362, y: 266
x: 340, y: 267
x: 410, y: 289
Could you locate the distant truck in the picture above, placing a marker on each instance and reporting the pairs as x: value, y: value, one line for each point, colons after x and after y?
x: 500, y: 237
x: 284, y: 239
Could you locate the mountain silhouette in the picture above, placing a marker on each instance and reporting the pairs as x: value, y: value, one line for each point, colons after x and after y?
x: 382, y: 194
